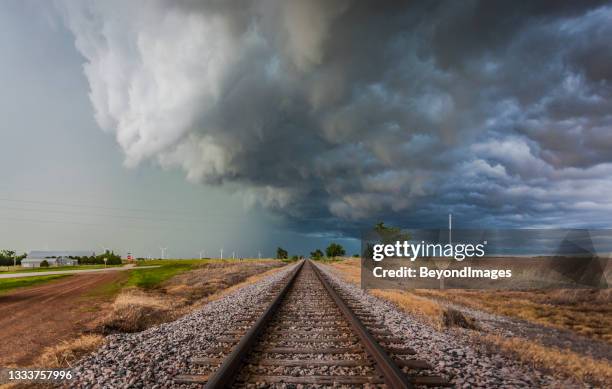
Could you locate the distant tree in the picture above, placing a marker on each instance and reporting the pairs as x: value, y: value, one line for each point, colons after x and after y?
x: 10, y: 258
x: 334, y: 250
x: 7, y: 253
x: 20, y: 258
x: 281, y: 253
x: 316, y: 255
x: 390, y: 233
x: 295, y: 257
x: 355, y: 255
x: 386, y: 235
x: 44, y: 263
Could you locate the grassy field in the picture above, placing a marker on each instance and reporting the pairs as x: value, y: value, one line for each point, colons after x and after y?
x: 150, y: 278
x: 156, y: 295
x: 118, y: 302
x: 168, y: 268
x: 8, y: 284
x: 586, y: 312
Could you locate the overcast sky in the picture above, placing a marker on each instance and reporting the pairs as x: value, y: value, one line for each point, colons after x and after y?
x: 196, y: 125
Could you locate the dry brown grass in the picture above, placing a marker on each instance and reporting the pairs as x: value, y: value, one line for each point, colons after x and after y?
x: 69, y: 351
x: 423, y: 308
x: 211, y: 278
x: 349, y: 270
x: 426, y: 310
x: 586, y: 312
x: 560, y: 362
x: 62, y: 355
x: 249, y: 280
x: 136, y: 309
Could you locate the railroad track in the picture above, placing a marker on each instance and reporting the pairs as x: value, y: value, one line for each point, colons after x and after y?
x: 308, y: 334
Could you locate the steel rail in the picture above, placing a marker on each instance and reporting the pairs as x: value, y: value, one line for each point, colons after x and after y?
x: 392, y: 374
x: 226, y: 373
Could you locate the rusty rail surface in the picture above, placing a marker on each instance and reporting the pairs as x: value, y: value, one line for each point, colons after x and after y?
x: 391, y: 373
x: 228, y: 370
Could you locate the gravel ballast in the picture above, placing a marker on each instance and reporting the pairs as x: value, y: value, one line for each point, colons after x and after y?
x: 452, y: 354
x: 150, y: 359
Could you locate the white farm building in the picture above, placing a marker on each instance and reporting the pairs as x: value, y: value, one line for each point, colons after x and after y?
x: 54, y: 258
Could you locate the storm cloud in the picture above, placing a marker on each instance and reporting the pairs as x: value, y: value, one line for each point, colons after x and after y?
x: 340, y: 113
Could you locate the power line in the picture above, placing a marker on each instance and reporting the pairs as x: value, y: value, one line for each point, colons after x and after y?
x: 100, y: 214
x: 98, y: 225
x: 77, y: 205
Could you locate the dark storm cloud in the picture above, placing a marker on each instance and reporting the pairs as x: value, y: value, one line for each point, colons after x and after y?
x: 331, y: 112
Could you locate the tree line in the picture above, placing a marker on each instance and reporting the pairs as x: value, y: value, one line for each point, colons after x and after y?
x: 110, y: 256
x: 332, y: 251
x: 10, y: 258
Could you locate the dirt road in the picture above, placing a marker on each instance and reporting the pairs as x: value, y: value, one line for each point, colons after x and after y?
x: 37, y: 317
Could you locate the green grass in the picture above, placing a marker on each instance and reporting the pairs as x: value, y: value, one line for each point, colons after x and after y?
x: 170, y: 262
x: 193, y: 262
x: 8, y: 284
x: 56, y: 268
x: 168, y: 268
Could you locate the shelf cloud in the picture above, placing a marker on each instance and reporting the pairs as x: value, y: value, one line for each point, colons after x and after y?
x: 332, y: 112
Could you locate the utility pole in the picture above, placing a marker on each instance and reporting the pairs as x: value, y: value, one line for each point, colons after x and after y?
x: 450, y: 227
x: 163, y: 252
x: 259, y: 255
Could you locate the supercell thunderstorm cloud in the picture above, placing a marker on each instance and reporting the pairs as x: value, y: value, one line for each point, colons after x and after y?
x: 338, y: 113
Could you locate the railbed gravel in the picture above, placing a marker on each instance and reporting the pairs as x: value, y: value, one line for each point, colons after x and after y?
x: 452, y: 354
x: 150, y: 359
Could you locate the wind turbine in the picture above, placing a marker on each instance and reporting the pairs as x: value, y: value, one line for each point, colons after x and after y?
x: 221, y: 253
x: 163, y: 252
x: 259, y: 255
x: 202, y: 253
